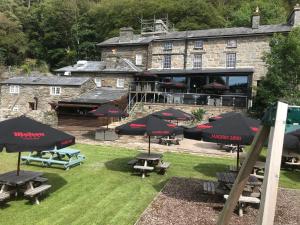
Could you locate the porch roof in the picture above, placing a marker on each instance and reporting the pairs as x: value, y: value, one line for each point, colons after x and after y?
x: 202, y: 71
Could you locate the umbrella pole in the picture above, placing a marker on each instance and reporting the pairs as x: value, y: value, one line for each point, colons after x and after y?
x: 149, y: 146
x: 18, y: 168
x: 238, y: 158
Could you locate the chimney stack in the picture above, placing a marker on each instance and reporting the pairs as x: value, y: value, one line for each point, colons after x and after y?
x: 126, y: 34
x: 294, y: 18
x: 255, y: 19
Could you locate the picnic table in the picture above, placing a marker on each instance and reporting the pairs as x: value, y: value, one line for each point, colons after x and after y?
x: 30, y: 183
x: 145, y: 162
x: 67, y: 157
x: 169, y: 140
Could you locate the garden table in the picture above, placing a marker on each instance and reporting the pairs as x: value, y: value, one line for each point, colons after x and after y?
x: 11, y: 178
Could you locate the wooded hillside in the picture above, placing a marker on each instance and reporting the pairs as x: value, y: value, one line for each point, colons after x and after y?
x: 60, y: 32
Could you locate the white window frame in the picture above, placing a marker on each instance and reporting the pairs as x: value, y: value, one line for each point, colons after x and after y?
x: 167, y: 62
x: 230, y: 60
x: 197, y: 61
x: 198, y: 44
x: 138, y: 59
x: 120, y: 82
x: 231, y: 43
x: 168, y: 45
x: 55, y: 90
x: 98, y: 81
x: 14, y: 89
x: 15, y: 108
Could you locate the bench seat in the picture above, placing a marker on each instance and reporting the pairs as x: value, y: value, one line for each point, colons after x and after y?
x: 243, y: 200
x: 138, y: 167
x: 40, y: 180
x: 34, y: 192
x: 209, y: 187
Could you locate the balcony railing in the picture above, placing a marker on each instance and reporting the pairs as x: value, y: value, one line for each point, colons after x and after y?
x: 157, y: 94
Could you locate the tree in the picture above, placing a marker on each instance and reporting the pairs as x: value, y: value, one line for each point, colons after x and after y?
x: 282, y: 81
x: 13, y: 41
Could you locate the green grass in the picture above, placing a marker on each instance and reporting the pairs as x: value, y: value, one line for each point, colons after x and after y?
x: 103, y: 191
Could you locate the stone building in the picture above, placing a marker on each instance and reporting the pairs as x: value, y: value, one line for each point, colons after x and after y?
x: 188, y: 64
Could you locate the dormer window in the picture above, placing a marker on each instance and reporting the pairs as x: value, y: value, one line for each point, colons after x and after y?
x: 198, y: 44
x: 168, y: 45
x: 231, y: 43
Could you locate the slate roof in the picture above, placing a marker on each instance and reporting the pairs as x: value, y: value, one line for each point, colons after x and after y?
x: 203, y: 71
x: 100, y: 95
x: 46, y: 80
x: 123, y: 65
x: 208, y: 33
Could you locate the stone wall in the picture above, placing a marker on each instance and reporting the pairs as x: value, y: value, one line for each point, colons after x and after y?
x: 49, y: 117
x: 28, y: 93
x: 128, y: 52
x: 249, y: 53
x: 108, y: 79
x: 149, y: 108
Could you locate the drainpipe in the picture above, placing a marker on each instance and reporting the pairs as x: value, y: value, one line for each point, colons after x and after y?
x: 185, y: 50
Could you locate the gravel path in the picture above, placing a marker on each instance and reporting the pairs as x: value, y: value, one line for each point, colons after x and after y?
x: 182, y: 202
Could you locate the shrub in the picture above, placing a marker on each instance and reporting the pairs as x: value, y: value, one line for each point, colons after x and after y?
x: 198, y: 113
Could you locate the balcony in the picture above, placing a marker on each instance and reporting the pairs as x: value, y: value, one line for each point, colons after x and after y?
x: 174, y: 93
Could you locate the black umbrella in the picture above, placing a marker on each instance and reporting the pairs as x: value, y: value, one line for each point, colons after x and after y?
x: 221, y: 116
x: 150, y: 126
x: 23, y: 134
x: 292, y: 141
x: 108, y: 111
x: 173, y: 114
x: 237, y: 130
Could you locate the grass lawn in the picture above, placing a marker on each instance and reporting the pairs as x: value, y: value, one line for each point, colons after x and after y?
x: 103, y: 191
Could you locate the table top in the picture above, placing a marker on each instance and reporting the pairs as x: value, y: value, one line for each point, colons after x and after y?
x: 65, y: 151
x: 151, y: 156
x: 229, y: 178
x: 11, y: 177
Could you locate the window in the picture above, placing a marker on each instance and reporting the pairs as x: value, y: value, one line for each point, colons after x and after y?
x: 198, y: 44
x: 231, y: 43
x: 120, y: 83
x: 167, y: 62
x: 67, y: 73
x: 197, y: 61
x: 98, y: 81
x: 168, y: 45
x: 14, y: 89
x: 55, y: 90
x: 238, y: 84
x: 138, y: 59
x: 15, y: 108
x: 230, y: 60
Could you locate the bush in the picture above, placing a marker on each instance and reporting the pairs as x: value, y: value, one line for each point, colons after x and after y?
x: 198, y: 113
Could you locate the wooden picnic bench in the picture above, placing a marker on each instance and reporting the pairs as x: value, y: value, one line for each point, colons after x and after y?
x: 35, y: 192
x: 244, y: 201
x: 169, y: 141
x: 66, y: 157
x: 162, y: 167
x: 143, y: 168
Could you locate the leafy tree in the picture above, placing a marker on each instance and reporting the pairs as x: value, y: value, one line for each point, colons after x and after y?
x: 282, y: 81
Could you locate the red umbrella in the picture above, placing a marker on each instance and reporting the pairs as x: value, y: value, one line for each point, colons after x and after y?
x: 108, y: 111
x: 23, y: 134
x: 150, y: 126
x: 215, y: 86
x: 236, y: 129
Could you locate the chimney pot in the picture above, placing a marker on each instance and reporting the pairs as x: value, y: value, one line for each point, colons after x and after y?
x: 255, y: 19
x: 126, y: 34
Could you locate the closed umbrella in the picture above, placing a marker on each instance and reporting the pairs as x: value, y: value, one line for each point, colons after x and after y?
x: 109, y: 111
x: 237, y: 130
x: 23, y: 134
x: 173, y: 114
x: 150, y: 126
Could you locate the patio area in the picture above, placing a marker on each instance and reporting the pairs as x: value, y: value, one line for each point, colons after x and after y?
x: 103, y: 190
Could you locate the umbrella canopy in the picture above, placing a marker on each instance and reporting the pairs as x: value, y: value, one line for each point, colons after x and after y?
x: 173, y: 114
x: 150, y: 126
x: 237, y: 130
x: 215, y: 86
x: 221, y: 116
x: 292, y: 141
x: 23, y: 134
x: 172, y: 84
x: 109, y: 110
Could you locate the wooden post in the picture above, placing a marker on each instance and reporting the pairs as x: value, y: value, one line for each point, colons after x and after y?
x: 272, y: 168
x: 243, y: 175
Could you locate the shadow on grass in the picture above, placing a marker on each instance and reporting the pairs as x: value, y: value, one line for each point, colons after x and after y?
x: 210, y: 169
x: 56, y: 181
x: 119, y: 164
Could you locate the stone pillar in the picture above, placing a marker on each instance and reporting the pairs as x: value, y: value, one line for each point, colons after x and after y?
x: 294, y: 18
x: 126, y: 34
